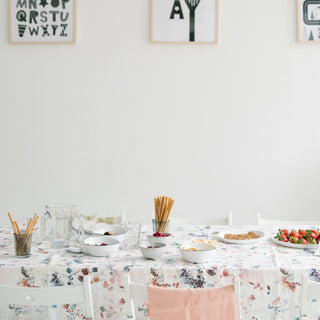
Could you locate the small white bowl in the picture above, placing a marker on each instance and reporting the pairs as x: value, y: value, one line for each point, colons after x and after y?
x: 94, y: 248
x: 165, y: 240
x: 153, y: 251
x: 204, y: 253
x: 119, y: 233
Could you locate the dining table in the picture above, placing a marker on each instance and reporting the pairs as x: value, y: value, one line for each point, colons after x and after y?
x: 270, y: 274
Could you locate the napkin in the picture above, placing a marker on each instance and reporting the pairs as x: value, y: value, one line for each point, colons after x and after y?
x: 55, y: 260
x: 192, y: 304
x: 317, y: 253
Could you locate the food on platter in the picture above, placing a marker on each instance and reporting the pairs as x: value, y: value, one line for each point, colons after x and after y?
x: 242, y: 236
x: 101, y: 244
x: 302, y: 236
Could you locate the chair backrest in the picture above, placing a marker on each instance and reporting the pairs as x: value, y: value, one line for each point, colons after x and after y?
x: 271, y: 222
x: 80, y: 294
x: 309, y: 290
x: 138, y: 293
x: 226, y: 221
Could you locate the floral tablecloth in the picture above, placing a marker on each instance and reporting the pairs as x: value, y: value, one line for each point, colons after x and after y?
x: 270, y: 275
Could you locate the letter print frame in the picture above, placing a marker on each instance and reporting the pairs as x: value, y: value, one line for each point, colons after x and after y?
x: 185, y: 21
x: 308, y: 24
x: 42, y: 21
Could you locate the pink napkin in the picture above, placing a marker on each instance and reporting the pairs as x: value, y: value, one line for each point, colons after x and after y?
x: 192, y: 304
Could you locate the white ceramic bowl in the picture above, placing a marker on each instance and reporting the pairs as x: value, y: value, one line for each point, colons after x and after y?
x: 92, y: 246
x: 165, y: 240
x: 119, y: 232
x: 204, y: 253
x: 153, y: 251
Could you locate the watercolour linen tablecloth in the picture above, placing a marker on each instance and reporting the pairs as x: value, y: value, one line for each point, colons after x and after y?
x: 270, y: 275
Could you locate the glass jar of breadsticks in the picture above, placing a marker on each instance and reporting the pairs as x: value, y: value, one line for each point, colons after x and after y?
x: 162, y: 208
x: 22, y: 238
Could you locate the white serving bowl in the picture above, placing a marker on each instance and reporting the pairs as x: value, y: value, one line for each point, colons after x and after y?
x: 92, y: 246
x: 165, y: 240
x: 204, y: 253
x: 155, y: 252
x: 119, y: 232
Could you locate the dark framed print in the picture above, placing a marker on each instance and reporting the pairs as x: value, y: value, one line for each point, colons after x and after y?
x: 42, y: 21
x: 308, y: 13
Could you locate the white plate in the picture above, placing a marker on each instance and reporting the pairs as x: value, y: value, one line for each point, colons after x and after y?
x: 259, y: 233
x: 294, y: 245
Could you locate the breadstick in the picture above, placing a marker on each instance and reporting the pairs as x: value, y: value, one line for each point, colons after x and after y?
x: 34, y: 224
x: 17, y: 227
x: 28, y: 227
x: 10, y: 217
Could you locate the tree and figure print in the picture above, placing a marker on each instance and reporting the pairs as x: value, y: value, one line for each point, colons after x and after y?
x: 192, y: 5
x: 177, y: 10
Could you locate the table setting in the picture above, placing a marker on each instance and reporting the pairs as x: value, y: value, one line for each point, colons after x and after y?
x: 188, y: 256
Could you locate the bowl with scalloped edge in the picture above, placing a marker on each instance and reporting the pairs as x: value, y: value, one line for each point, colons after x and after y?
x: 101, y: 246
x: 112, y: 231
x: 197, y: 252
x: 153, y: 251
x: 164, y: 237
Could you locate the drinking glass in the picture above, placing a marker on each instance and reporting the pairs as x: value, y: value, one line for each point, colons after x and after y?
x: 87, y: 223
x: 133, y: 234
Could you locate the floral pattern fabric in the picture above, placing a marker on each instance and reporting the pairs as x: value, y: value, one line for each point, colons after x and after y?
x: 271, y: 275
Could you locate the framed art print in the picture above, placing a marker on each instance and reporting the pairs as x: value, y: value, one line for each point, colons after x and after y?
x: 42, y: 21
x: 186, y: 21
x: 308, y: 12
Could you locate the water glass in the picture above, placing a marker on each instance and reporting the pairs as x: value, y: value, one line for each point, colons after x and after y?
x: 87, y: 222
x: 133, y: 235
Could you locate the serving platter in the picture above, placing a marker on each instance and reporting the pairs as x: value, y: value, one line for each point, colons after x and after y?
x: 250, y: 241
x: 294, y: 245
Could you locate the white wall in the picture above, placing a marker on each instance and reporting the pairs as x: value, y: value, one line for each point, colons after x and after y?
x: 114, y: 120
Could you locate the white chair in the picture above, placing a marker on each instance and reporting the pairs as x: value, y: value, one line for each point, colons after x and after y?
x: 121, y: 219
x: 80, y: 294
x: 273, y: 222
x: 138, y: 293
x: 309, y: 290
x: 226, y: 221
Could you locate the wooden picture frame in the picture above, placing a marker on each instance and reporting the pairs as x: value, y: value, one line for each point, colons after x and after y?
x: 53, y: 23
x: 308, y: 21
x: 200, y: 23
